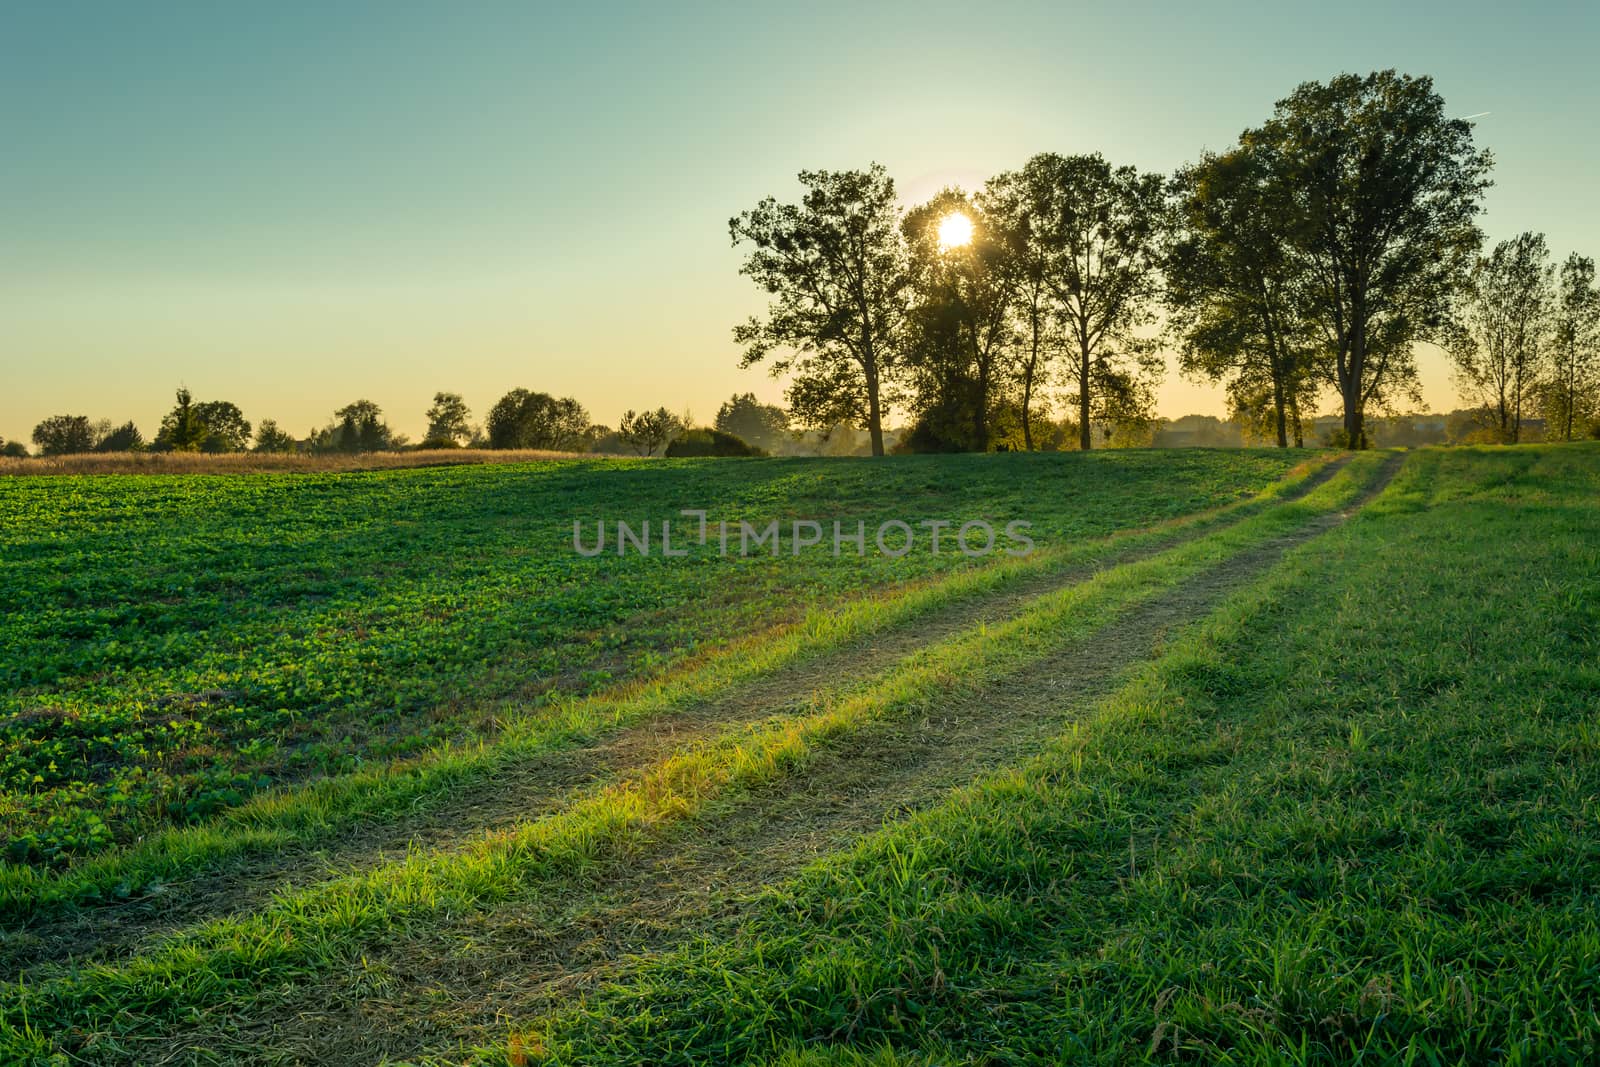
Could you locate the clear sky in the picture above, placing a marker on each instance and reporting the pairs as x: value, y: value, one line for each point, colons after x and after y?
x: 292, y: 205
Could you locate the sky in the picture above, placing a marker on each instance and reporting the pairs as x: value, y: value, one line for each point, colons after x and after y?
x: 293, y: 205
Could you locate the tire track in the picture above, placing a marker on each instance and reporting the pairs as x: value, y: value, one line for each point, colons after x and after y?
x: 545, y: 782
x: 461, y: 982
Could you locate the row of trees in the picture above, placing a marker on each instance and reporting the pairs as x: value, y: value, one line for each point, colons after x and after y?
x: 208, y: 426
x: 1528, y: 339
x: 1312, y: 256
x: 521, y: 419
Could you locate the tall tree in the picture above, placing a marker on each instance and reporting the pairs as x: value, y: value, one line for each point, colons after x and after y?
x: 272, y: 438
x: 227, y: 430
x: 763, y: 425
x: 1498, y: 340
x: 646, y: 431
x: 357, y: 427
x: 1572, y: 396
x: 183, y: 429
x: 1011, y: 203
x: 449, y: 422
x: 1386, y: 189
x: 1105, y: 228
x: 65, y: 435
x: 124, y: 438
x: 961, y: 325
x: 524, y: 419
x: 1235, y: 289
x: 834, y: 267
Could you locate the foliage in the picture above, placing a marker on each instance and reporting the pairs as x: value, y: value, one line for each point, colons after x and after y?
x: 357, y: 427
x: 1571, y: 397
x: 707, y: 442
x: 647, y: 431
x: 124, y: 438
x: 13, y: 449
x: 1385, y: 190
x: 449, y: 422
x: 183, y: 429
x: 1499, y: 340
x: 1105, y: 230
x: 960, y: 325
x: 834, y: 267
x: 1237, y: 294
x: 227, y: 430
x: 763, y: 425
x: 65, y: 435
x: 270, y: 438
x: 524, y: 419
x: 1011, y: 204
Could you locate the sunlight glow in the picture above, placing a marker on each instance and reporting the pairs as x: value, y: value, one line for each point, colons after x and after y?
x: 955, y: 230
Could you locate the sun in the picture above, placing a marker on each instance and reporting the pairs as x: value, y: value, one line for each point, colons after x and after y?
x: 955, y: 230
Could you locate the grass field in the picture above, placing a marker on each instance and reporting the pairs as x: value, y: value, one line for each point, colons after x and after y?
x: 1258, y: 759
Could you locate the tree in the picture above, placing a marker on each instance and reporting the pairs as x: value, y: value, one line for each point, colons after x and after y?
x: 1572, y: 396
x: 356, y: 427
x: 1499, y: 335
x: 960, y: 273
x: 270, y: 438
x: 363, y: 428
x: 647, y: 431
x: 65, y: 435
x: 449, y: 422
x: 834, y: 266
x: 1236, y: 292
x: 13, y: 449
x: 183, y: 429
x: 1385, y: 190
x: 1011, y: 204
x: 523, y: 419
x: 227, y: 430
x: 1104, y: 229
x: 124, y: 438
x: 763, y: 425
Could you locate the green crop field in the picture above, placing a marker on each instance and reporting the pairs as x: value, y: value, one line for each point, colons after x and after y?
x: 1259, y: 757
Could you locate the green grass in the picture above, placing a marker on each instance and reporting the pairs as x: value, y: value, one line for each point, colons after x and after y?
x: 1350, y: 818
x: 179, y: 643
x: 129, y: 536
x: 324, y: 929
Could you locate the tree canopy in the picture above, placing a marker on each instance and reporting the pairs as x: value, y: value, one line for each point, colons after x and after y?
x: 834, y: 268
x: 525, y: 419
x: 1384, y: 191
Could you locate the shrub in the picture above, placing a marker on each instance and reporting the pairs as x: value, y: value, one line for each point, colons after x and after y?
x: 707, y: 442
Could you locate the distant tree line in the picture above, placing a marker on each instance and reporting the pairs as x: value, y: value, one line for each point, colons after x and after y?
x: 521, y: 419
x: 1308, y: 259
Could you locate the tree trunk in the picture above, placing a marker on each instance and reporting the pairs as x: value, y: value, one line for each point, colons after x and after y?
x: 1277, y: 406
x: 1027, y: 380
x: 1083, y: 402
x: 874, y: 412
x: 1027, y: 400
x: 1572, y: 392
x: 980, y: 415
x: 1516, y: 422
x: 1354, y: 430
